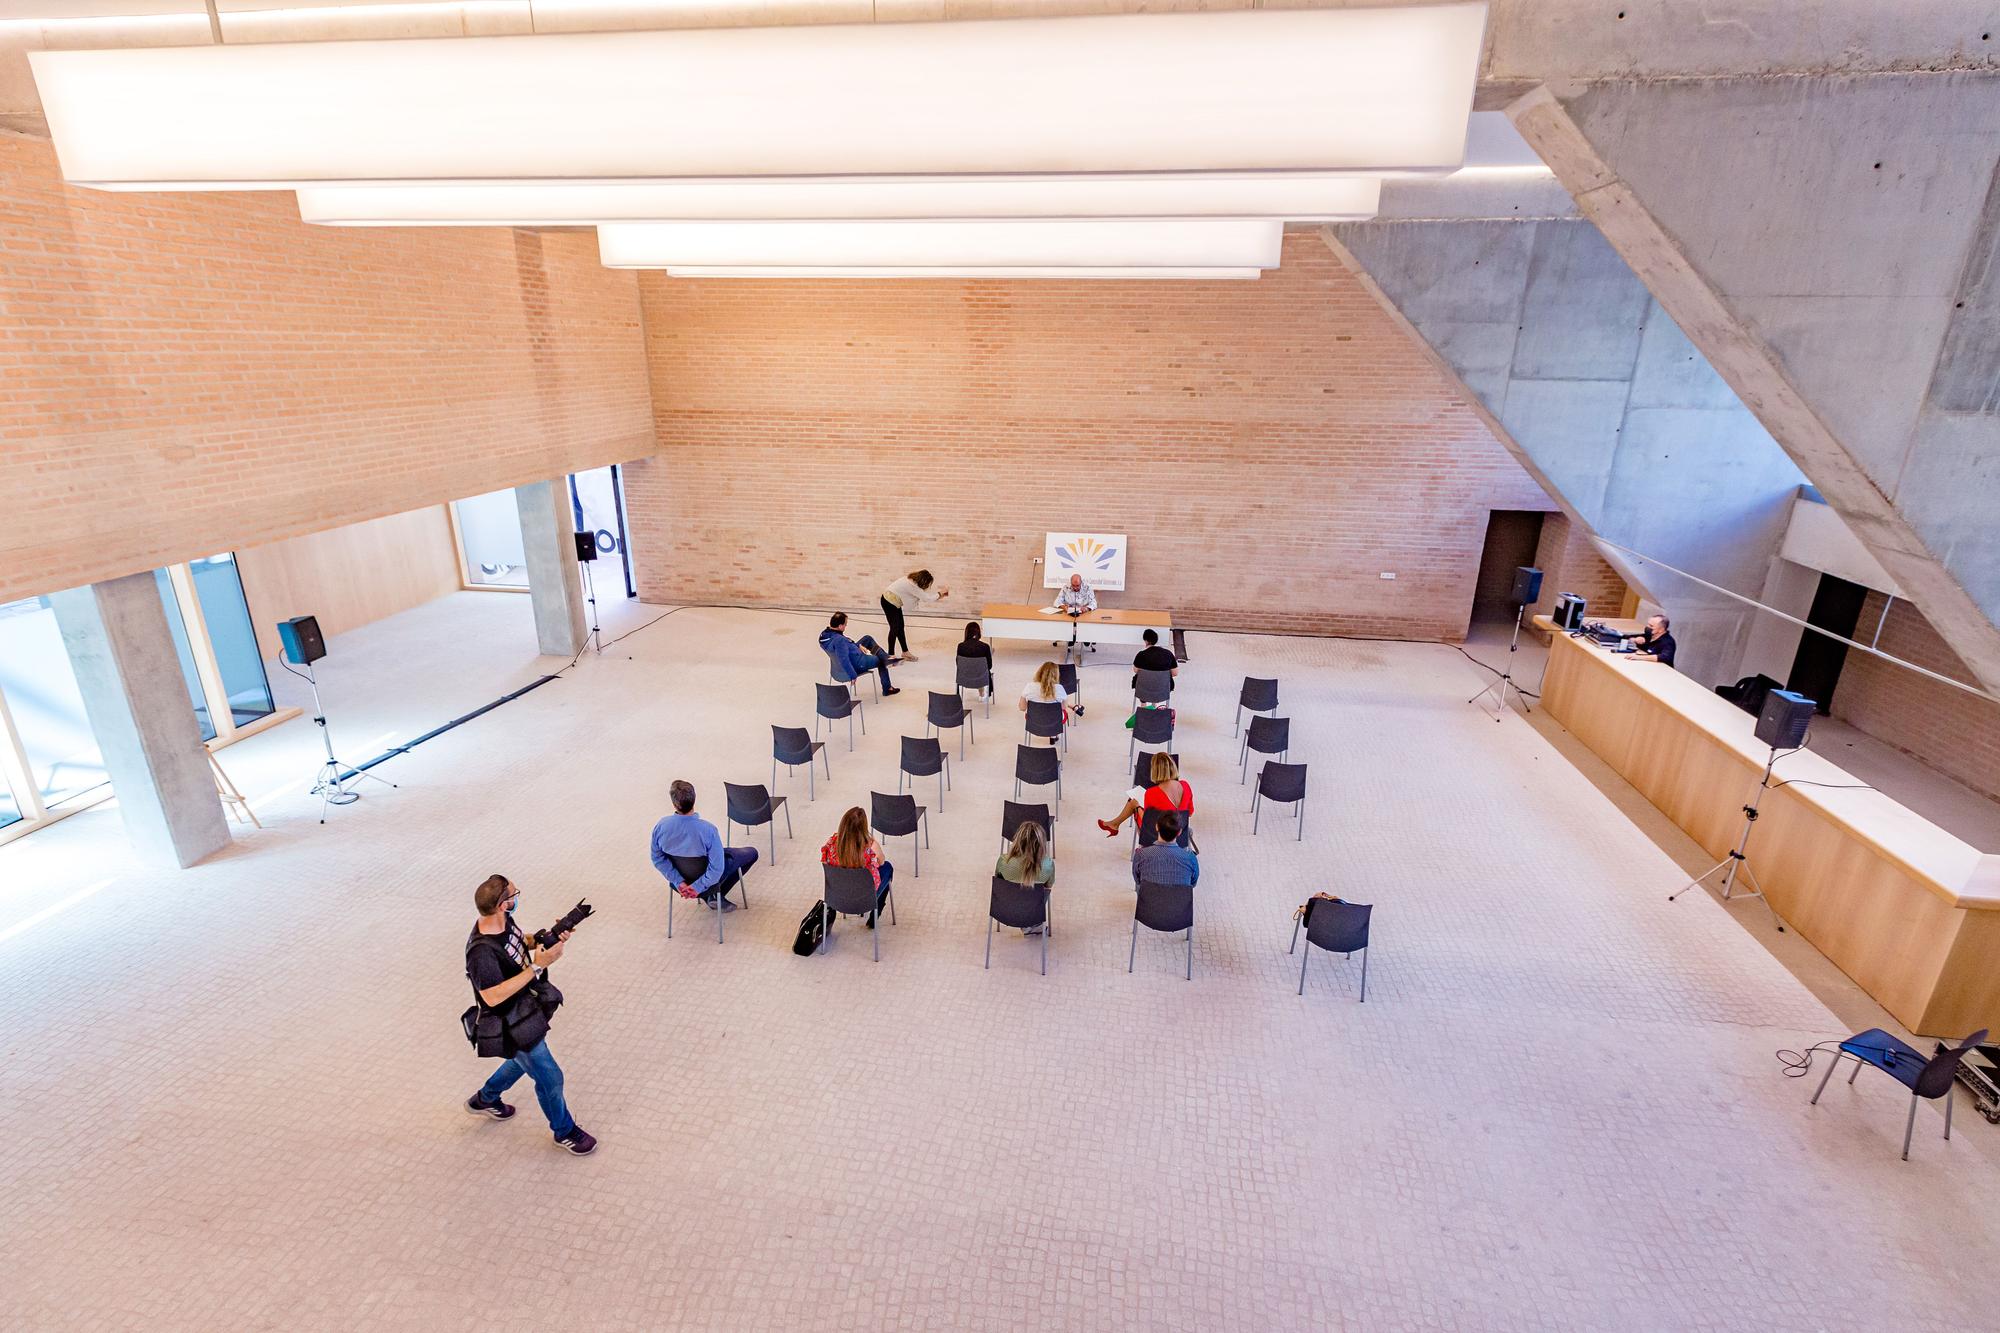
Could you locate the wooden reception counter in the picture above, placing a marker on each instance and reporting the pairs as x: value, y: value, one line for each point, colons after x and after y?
x: 1908, y: 911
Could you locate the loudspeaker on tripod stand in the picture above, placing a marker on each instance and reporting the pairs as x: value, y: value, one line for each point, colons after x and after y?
x: 1785, y: 717
x: 586, y: 546
x: 1527, y: 586
x: 301, y: 640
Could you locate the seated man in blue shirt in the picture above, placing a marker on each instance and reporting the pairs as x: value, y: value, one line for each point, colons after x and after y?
x: 686, y: 834
x: 1164, y: 862
x: 868, y: 655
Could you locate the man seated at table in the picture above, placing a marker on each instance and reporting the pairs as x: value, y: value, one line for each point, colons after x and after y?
x: 1155, y: 658
x: 1076, y: 598
x: 854, y: 658
x: 1165, y: 862
x: 1654, y: 643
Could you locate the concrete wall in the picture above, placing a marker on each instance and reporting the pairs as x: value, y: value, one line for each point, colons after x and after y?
x: 1269, y: 447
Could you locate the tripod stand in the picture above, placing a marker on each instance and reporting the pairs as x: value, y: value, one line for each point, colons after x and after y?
x: 596, y: 635
x: 330, y: 785
x: 1738, y: 860
x: 1506, y: 681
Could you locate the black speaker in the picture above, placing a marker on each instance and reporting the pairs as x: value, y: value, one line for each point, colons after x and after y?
x: 1527, y: 586
x: 1784, y: 720
x: 586, y: 546
x: 1569, y: 611
x: 301, y: 639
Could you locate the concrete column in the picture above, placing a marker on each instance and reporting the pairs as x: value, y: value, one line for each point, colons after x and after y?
x: 548, y: 542
x: 123, y: 653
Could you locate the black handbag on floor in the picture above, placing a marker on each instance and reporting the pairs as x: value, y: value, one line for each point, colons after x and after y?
x: 812, y: 930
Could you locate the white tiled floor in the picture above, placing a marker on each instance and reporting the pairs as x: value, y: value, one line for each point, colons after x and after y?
x: 230, y: 1095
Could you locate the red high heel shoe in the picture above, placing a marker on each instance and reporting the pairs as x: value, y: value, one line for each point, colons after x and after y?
x: 1110, y: 830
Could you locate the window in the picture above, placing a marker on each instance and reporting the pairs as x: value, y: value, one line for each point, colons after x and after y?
x: 183, y: 650
x: 51, y: 738
x: 489, y: 540
x: 226, y: 615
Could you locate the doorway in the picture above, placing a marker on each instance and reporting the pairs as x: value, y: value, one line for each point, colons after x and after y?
x: 1512, y: 537
x: 1836, y: 608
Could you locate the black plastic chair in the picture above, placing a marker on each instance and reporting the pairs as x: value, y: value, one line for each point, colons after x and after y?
x: 751, y: 806
x: 1066, y: 676
x: 1336, y: 927
x: 899, y: 816
x: 791, y: 746
x: 839, y: 675
x: 1022, y: 906
x: 1258, y: 695
x: 1142, y: 767
x: 1151, y: 726
x: 1037, y: 767
x: 834, y: 704
x: 976, y: 673
x: 1151, y: 687
x: 1045, y: 719
x: 948, y: 710
x: 1927, y: 1079
x: 1165, y: 908
x: 1279, y: 782
x: 1013, y: 814
x: 1146, y: 828
x: 850, y: 891
x: 692, y: 868
x: 923, y: 756
x: 1267, y: 735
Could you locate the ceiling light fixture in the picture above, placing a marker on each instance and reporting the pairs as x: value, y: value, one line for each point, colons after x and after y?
x: 1154, y: 243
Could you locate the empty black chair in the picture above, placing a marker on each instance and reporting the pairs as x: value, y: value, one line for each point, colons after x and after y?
x: 692, y: 868
x: 1279, y: 782
x: 1037, y: 767
x: 1151, y: 726
x: 835, y: 703
x: 895, y: 816
x: 923, y: 756
x: 840, y: 675
x: 976, y: 673
x: 1152, y: 687
x: 1146, y: 828
x: 1258, y: 695
x: 1045, y: 719
x: 1013, y: 814
x: 791, y: 746
x: 948, y: 710
x: 1022, y: 906
x: 1166, y: 908
x: 1267, y: 735
x: 850, y: 891
x: 1927, y: 1079
x: 1142, y: 767
x: 1066, y: 674
x: 751, y: 806
x: 1336, y: 927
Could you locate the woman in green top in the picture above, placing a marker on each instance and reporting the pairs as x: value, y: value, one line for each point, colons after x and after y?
x: 1027, y: 861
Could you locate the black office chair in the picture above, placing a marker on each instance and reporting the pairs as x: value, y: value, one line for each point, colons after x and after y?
x: 692, y: 868
x: 1037, y: 767
x: 923, y: 756
x: 791, y: 746
x: 850, y: 891
x: 1146, y: 828
x: 1267, y: 735
x: 1336, y: 927
x: 976, y: 673
x: 1045, y: 719
x: 1142, y: 767
x: 1022, y: 906
x: 1152, y: 687
x: 897, y: 816
x: 948, y: 710
x: 1165, y: 908
x: 1151, y: 726
x: 834, y: 704
x: 1279, y: 782
x: 751, y: 806
x: 840, y: 675
x: 1067, y: 677
x: 1927, y: 1079
x: 1013, y: 814
x: 1258, y: 695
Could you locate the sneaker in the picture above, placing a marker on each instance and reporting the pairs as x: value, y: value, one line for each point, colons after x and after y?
x: 497, y: 1109
x: 1032, y: 930
x: 578, y: 1142
x: 727, y: 906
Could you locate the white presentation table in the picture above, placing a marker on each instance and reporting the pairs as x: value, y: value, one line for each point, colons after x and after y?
x: 1000, y: 620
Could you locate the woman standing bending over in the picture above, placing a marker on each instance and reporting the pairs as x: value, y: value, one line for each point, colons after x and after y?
x: 907, y: 594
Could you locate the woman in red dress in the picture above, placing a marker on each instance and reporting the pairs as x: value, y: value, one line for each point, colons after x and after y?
x: 1169, y: 791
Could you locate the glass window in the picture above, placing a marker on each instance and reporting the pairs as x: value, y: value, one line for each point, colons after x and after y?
x: 489, y: 529
x: 10, y: 811
x: 184, y: 653
x: 47, y: 706
x: 227, y: 615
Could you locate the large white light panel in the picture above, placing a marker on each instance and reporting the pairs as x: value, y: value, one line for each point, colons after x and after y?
x: 1370, y: 91
x: 1064, y: 274
x: 1302, y: 198
x: 1174, y: 243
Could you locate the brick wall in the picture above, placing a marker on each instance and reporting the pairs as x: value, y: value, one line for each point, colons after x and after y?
x: 1948, y: 729
x: 1269, y: 447
x: 1569, y: 563
x: 183, y: 374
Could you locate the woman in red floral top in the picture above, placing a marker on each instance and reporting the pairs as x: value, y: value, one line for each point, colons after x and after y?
x: 854, y: 847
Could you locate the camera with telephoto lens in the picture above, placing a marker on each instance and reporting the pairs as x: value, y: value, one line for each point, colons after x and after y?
x: 547, y: 938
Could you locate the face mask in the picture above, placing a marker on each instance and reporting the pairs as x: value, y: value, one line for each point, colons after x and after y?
x: 513, y: 905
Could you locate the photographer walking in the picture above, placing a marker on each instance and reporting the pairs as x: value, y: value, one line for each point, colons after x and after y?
x: 513, y: 1010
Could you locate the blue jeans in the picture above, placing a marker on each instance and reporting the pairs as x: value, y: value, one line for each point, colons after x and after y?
x: 735, y: 860
x: 880, y: 656
x: 540, y: 1065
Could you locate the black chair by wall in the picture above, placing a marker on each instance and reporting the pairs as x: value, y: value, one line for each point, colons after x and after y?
x: 948, y: 710
x: 1927, y: 1079
x: 923, y: 756
x: 692, y: 868
x: 898, y: 816
x: 1267, y: 735
x: 791, y: 746
x: 835, y: 703
x: 976, y: 673
x: 1336, y: 927
x: 1022, y: 906
x: 850, y: 891
x: 1045, y: 719
x: 1037, y: 767
x: 1258, y: 695
x: 1279, y: 782
x: 1151, y: 726
x: 1165, y: 908
x: 1013, y: 814
x: 751, y: 806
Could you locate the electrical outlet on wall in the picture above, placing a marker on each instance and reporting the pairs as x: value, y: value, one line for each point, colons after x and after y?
x: 1388, y: 573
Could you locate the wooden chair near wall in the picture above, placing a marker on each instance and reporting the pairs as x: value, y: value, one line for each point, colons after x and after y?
x: 232, y: 799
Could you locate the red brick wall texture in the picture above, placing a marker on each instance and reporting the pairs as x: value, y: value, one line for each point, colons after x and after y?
x: 1950, y: 730
x: 1269, y: 447
x: 186, y: 374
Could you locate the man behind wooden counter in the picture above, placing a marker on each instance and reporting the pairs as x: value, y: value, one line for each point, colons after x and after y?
x: 1655, y: 644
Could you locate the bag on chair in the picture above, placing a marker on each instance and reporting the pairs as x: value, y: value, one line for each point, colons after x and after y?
x: 812, y: 930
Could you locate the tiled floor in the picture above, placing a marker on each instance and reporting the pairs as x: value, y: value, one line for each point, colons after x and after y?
x: 230, y: 1095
